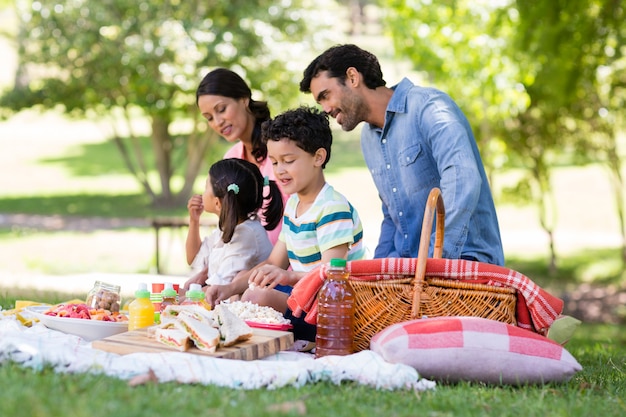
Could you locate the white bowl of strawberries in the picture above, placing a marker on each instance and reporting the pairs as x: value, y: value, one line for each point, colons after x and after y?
x: 81, y: 320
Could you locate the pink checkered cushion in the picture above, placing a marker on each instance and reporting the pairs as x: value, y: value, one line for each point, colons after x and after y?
x: 456, y: 349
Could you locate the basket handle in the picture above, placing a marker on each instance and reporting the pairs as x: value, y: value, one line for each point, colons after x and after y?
x: 433, y: 203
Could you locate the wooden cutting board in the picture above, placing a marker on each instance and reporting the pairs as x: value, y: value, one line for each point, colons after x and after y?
x: 263, y: 343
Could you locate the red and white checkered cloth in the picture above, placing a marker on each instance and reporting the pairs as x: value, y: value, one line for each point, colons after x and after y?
x: 536, y: 308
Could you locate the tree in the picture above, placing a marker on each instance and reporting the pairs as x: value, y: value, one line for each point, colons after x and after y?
x: 540, y: 81
x: 463, y: 48
x: 575, y: 53
x: 126, y: 60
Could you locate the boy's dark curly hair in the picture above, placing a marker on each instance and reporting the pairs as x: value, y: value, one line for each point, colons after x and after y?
x: 307, y: 126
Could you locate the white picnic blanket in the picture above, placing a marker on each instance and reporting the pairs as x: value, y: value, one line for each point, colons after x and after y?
x: 38, y: 346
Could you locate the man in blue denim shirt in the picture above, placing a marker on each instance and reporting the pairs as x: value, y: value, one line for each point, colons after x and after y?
x: 416, y: 138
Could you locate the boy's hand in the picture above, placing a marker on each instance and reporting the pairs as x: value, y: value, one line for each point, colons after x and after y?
x: 269, y: 276
x: 195, y: 207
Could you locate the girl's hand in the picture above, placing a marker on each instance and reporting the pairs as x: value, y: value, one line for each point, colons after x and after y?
x: 195, y: 207
x: 215, y: 294
x: 269, y: 276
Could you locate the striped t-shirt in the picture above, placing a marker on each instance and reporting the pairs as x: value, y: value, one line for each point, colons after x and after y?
x: 329, y: 222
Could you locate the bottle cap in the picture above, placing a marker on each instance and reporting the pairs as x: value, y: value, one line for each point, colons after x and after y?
x: 142, y: 291
x: 169, y: 290
x: 338, y: 263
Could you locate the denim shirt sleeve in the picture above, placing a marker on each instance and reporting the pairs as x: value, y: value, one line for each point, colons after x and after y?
x: 460, y: 181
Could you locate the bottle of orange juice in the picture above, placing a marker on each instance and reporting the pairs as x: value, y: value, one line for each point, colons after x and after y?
x: 141, y: 310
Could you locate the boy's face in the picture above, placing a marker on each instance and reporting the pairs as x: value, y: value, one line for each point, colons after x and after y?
x: 296, y: 170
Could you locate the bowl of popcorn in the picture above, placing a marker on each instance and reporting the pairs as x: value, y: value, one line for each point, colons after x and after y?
x: 262, y: 317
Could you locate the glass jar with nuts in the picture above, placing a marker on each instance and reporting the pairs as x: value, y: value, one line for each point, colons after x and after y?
x: 104, y: 296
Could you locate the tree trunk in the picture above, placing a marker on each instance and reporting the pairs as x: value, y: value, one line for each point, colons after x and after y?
x: 198, y: 144
x: 162, y: 145
x: 615, y: 166
x: 547, y: 210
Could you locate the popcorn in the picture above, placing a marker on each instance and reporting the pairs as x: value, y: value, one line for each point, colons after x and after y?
x: 246, y: 310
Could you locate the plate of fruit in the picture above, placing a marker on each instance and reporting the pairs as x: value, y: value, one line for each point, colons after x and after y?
x: 81, y: 320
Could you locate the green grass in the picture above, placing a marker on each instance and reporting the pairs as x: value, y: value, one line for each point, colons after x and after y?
x: 598, y: 390
x: 601, y: 266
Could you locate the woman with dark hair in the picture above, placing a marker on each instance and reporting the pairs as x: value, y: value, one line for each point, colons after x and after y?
x: 225, y: 101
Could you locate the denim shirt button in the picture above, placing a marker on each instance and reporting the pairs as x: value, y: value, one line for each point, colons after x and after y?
x: 394, y: 189
x: 385, y: 140
x: 406, y: 236
x: 400, y: 214
x: 388, y: 166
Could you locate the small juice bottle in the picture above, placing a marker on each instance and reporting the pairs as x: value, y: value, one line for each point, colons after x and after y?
x: 169, y: 296
x: 196, y: 296
x: 141, y: 310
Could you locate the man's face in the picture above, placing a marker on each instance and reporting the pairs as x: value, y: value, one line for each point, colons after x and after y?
x: 342, y: 102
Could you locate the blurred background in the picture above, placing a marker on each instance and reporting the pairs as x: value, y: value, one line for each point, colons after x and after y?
x: 101, y: 143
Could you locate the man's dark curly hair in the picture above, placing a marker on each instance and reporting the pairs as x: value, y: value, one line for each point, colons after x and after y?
x: 307, y: 126
x: 337, y: 60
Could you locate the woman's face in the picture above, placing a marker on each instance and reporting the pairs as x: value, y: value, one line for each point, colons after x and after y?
x: 228, y: 117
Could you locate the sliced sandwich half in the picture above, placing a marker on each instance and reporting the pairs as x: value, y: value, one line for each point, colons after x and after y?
x: 173, y: 337
x: 172, y: 312
x: 232, y: 328
x: 204, y: 336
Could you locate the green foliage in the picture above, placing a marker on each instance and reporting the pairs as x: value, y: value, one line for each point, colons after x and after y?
x: 461, y: 48
x: 121, y: 61
x: 98, y: 56
x: 537, y: 80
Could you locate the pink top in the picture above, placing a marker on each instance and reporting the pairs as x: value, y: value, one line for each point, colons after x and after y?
x: 238, y: 151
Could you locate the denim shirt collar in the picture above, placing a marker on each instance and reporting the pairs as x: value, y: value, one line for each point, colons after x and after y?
x: 397, y: 104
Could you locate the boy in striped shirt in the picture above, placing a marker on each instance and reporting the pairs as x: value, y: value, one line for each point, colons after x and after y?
x: 318, y: 224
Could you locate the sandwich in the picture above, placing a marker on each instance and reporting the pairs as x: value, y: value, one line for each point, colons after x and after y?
x: 204, y: 336
x: 173, y: 337
x: 232, y: 329
x: 204, y: 316
x: 171, y: 313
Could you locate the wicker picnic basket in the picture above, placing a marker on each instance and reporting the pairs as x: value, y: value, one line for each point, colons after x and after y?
x: 383, y: 299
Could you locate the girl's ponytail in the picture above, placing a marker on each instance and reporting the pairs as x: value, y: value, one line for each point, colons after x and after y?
x: 273, y: 212
x: 240, y: 187
x: 229, y: 214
